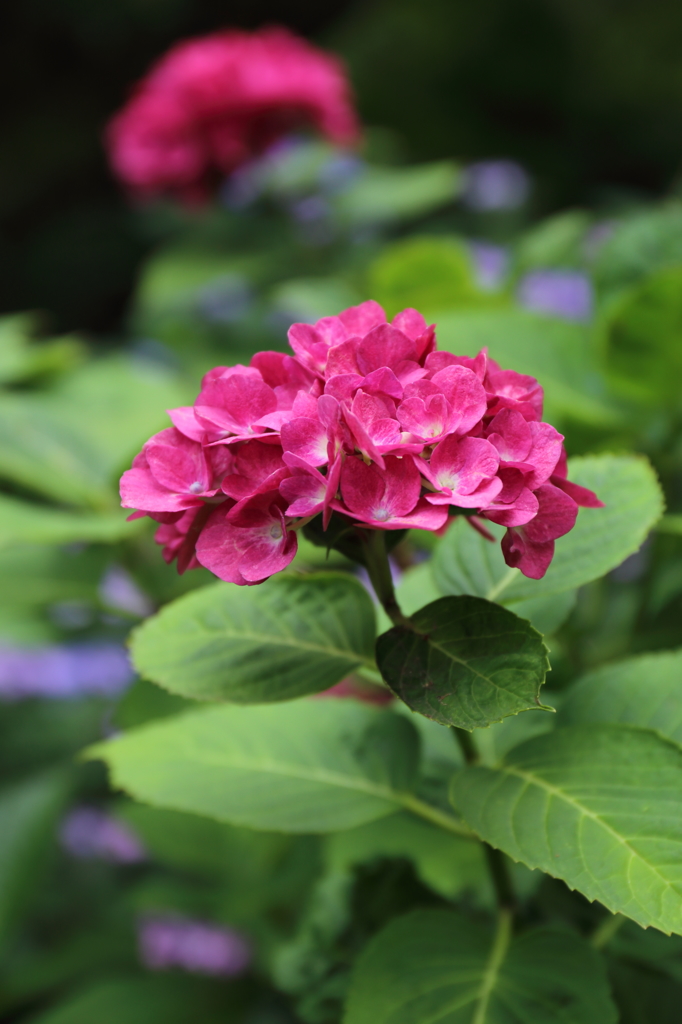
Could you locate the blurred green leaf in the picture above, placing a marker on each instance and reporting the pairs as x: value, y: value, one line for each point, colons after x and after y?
x: 383, y: 195
x: 290, y: 636
x: 23, y: 522
x: 448, y: 864
x: 28, y: 816
x: 425, y: 273
x: 70, y: 442
x: 467, y: 662
x: 599, y: 806
x: 440, y: 965
x: 304, y: 766
x: 558, y: 353
x: 555, y: 241
x: 643, y: 338
x: 308, y: 299
x: 646, y: 241
x: 144, y: 1000
x: 642, y: 691
x: 601, y: 539
x: 23, y: 359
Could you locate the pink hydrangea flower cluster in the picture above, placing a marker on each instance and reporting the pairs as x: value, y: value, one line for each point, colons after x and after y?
x: 366, y: 419
x: 212, y: 103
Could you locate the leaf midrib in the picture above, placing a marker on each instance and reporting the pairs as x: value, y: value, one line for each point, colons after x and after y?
x: 266, y: 639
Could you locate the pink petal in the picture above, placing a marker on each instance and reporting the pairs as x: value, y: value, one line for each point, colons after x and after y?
x: 582, y: 496
x: 557, y: 513
x: 342, y: 359
x: 510, y: 433
x: 306, y: 438
x: 237, y: 402
x: 546, y: 448
x: 184, y: 419
x: 359, y: 320
x: 465, y: 396
x: 384, y: 346
x: 305, y: 492
x: 410, y: 322
x: 532, y: 559
x: 519, y: 512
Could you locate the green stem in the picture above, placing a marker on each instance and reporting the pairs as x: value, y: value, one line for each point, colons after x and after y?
x: 604, y: 932
x: 497, y: 862
x: 466, y: 744
x: 376, y: 559
x: 437, y: 817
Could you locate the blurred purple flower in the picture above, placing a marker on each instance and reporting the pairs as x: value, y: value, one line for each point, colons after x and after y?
x: 596, y: 237
x: 88, y: 832
x: 495, y: 185
x: 490, y: 264
x: 119, y: 590
x: 564, y: 293
x: 340, y: 171
x: 168, y: 941
x: 66, y: 670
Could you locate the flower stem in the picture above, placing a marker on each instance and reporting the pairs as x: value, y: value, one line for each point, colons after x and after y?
x: 497, y: 862
x: 604, y: 932
x: 376, y: 560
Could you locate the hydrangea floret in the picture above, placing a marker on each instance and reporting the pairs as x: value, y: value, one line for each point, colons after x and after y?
x: 366, y: 420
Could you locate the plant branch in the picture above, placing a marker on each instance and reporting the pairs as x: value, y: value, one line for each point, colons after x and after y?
x: 606, y: 929
x: 497, y: 862
x: 437, y: 817
x: 379, y: 569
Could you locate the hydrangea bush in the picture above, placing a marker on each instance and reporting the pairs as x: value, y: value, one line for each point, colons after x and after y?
x: 342, y: 786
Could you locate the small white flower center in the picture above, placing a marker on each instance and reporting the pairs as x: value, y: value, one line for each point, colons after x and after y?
x: 276, y: 531
x: 382, y: 514
x: 196, y: 488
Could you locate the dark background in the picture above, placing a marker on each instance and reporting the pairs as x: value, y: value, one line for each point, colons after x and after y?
x: 586, y: 93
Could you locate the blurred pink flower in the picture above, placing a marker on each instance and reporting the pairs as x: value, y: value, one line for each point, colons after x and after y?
x: 213, y: 103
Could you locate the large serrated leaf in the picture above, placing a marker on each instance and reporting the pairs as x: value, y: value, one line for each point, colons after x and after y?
x: 439, y: 966
x: 305, y: 766
x: 599, y: 806
x: 289, y: 637
x: 643, y: 691
x: 467, y: 662
x: 602, y: 538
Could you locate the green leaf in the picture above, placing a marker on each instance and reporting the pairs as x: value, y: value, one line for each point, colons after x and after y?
x: 28, y: 816
x: 642, y: 691
x: 70, y: 442
x: 643, y: 336
x: 447, y: 863
x: 599, y: 806
x: 436, y: 965
x: 383, y: 195
x: 291, y: 636
x: 143, y: 1000
x: 559, y: 353
x: 305, y: 766
x: 467, y: 662
x: 601, y: 539
x: 425, y: 274
x: 22, y: 522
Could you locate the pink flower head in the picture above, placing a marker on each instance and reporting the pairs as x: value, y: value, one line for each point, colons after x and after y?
x: 212, y: 103
x: 366, y: 419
